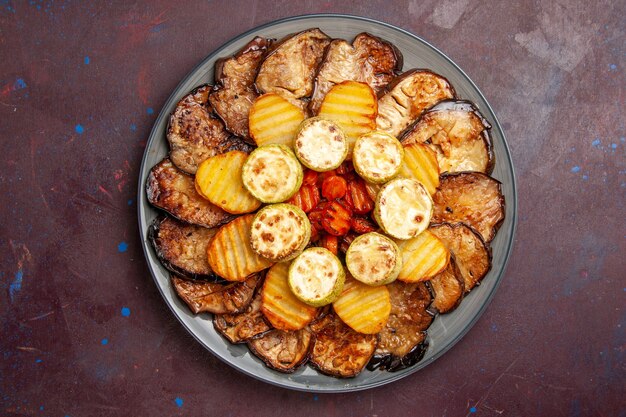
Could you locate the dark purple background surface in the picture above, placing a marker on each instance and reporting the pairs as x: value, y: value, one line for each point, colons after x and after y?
x: 84, y: 329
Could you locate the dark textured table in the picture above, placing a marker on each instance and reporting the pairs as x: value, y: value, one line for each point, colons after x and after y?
x: 85, y: 331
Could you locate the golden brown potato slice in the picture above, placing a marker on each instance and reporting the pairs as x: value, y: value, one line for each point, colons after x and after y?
x: 423, y: 257
x: 470, y: 252
x: 281, y: 350
x: 195, y: 134
x: 408, y: 96
x: 234, y: 90
x: 290, y: 66
x: 219, y: 180
x: 458, y: 134
x: 448, y: 288
x: 209, y: 297
x: 472, y: 198
x: 274, y: 120
x: 230, y: 254
x: 181, y: 247
x: 420, y: 163
x: 240, y: 327
x: 368, y: 59
x: 400, y: 343
x: 173, y: 191
x: 362, y: 307
x: 338, y: 350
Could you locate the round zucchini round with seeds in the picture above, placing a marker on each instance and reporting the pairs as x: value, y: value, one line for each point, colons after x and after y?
x: 279, y: 232
x: 320, y: 144
x: 374, y: 259
x: 272, y: 173
x: 403, y: 208
x: 316, y: 277
x: 377, y: 157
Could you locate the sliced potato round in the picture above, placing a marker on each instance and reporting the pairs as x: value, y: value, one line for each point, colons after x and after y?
x: 403, y: 208
x: 218, y: 179
x: 374, y: 259
x: 363, y: 307
x: 320, y: 144
x: 279, y: 232
x: 281, y: 350
x: 316, y: 277
x: 420, y: 163
x: 281, y: 308
x: 448, y: 288
x: 423, y: 257
x: 377, y: 156
x: 353, y: 106
x: 273, y: 119
x: 272, y: 173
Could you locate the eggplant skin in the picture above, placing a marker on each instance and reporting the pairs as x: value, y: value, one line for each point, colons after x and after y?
x: 283, y: 351
x: 368, y: 59
x: 174, y: 191
x: 472, y: 198
x: 339, y: 351
x: 181, y: 247
x: 195, y: 133
x: 216, y: 298
x: 240, y: 327
x: 393, y: 363
x: 234, y: 92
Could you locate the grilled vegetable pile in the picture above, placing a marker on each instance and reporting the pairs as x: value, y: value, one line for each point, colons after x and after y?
x: 323, y: 206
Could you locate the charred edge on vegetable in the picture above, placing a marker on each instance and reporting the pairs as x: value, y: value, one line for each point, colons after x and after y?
x: 153, y: 232
x: 256, y: 44
x: 268, y: 360
x: 393, y: 363
x: 457, y: 274
x: 410, y: 73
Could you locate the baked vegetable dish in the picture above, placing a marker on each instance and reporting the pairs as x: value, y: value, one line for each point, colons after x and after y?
x: 323, y: 205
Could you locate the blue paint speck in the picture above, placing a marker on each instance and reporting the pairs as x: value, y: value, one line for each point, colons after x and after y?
x: 494, y: 327
x: 622, y: 139
x: 130, y: 202
x: 38, y: 360
x: 122, y: 246
x: 596, y: 143
x: 613, y: 145
x: 133, y: 127
x: 149, y: 110
x: 79, y: 129
x: 179, y: 401
x: 19, y: 84
x: 473, y: 410
x: 575, y: 169
x: 125, y: 311
x: 41, y: 408
x: 16, y: 285
x: 612, y: 67
x: 86, y: 60
x: 104, y: 341
x: 585, y: 177
x: 315, y: 398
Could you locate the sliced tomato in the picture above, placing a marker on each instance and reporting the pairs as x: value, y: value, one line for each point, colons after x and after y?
x: 362, y: 225
x: 334, y: 187
x: 307, y: 197
x: 336, y: 218
x: 315, y: 216
x: 330, y: 242
x: 358, y: 198
x: 310, y: 177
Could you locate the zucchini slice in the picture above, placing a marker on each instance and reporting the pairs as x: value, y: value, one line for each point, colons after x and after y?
x: 238, y: 328
x: 423, y: 257
x: 403, y: 208
x: 320, y: 144
x: 316, y: 277
x: 281, y: 308
x: 362, y: 307
x: 218, y: 179
x: 173, y: 191
x: 272, y: 173
x: 216, y: 298
x: 448, y: 288
x: 420, y: 163
x: 377, y: 156
x: 472, y: 255
x: 230, y: 254
x: 401, y: 342
x: 374, y: 259
x: 273, y: 119
x: 279, y: 232
x: 472, y: 198
x: 339, y: 351
x: 282, y: 351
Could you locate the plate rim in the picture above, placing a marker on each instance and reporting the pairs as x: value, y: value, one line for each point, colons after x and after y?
x: 153, y: 136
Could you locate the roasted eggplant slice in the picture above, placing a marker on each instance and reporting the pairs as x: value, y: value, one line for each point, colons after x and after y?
x: 470, y: 252
x: 234, y: 91
x: 368, y: 59
x: 238, y: 328
x: 195, y: 134
x: 174, y: 191
x: 400, y: 340
x: 290, y: 66
x: 458, y: 134
x: 408, y: 96
x: 472, y: 198
x: 181, y: 247
x: 282, y: 350
x: 216, y: 298
x: 448, y: 288
x: 338, y: 350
